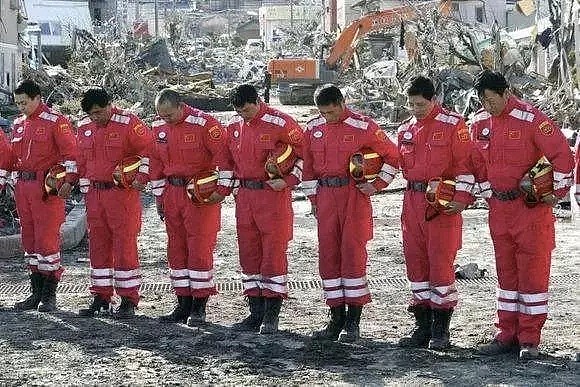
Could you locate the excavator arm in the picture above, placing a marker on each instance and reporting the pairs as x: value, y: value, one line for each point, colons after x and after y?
x: 343, y: 49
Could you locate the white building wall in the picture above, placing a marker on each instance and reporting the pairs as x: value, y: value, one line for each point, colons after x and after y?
x: 10, y: 56
x: 282, y: 16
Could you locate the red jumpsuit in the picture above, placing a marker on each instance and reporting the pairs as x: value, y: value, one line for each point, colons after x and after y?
x: 345, y: 223
x: 40, y: 141
x: 577, y: 191
x: 435, y: 146
x: 113, y: 214
x: 264, y: 217
x: 523, y: 237
x: 5, y: 158
x: 183, y: 150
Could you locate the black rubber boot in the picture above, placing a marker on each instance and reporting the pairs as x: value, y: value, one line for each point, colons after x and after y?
x: 98, y: 306
x: 197, y: 315
x: 254, y: 320
x: 31, y: 302
x: 48, y: 295
x: 421, y: 334
x: 333, y: 327
x: 126, y: 310
x: 440, y: 329
x: 271, y: 316
x: 181, y: 311
x: 351, y: 331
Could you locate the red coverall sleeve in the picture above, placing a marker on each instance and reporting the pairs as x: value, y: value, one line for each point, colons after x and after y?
x: 140, y: 142
x: 294, y: 135
x: 378, y: 141
x: 309, y: 182
x: 553, y: 144
x: 461, y: 148
x: 577, y: 192
x: 66, y: 143
x: 156, y: 167
x: 215, y: 140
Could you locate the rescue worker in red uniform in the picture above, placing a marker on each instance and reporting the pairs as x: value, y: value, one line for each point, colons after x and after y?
x: 577, y: 191
x: 41, y: 139
x: 106, y: 137
x: 434, y: 143
x: 264, y: 214
x: 342, y: 206
x: 188, y: 144
x: 511, y: 136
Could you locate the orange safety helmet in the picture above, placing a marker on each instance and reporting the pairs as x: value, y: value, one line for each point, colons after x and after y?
x: 54, y: 179
x: 280, y: 161
x: 125, y: 173
x: 538, y: 182
x: 440, y: 192
x: 365, y: 165
x: 200, y: 187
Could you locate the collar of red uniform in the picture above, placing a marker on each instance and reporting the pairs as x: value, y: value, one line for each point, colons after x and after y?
x: 39, y: 109
x: 509, y: 105
x: 263, y: 108
x: 345, y: 114
x: 432, y: 114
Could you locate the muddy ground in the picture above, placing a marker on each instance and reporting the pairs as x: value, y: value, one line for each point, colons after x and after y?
x: 61, y: 348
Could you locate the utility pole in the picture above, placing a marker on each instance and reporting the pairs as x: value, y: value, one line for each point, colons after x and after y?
x: 292, y: 15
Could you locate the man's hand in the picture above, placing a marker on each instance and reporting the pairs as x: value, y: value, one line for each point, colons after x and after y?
x: 215, y: 198
x: 550, y: 199
x: 454, y: 208
x: 160, y: 210
x: 64, y: 190
x: 137, y: 185
x: 366, y: 188
x: 313, y: 210
x: 277, y: 184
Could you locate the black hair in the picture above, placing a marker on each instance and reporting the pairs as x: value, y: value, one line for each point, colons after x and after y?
x: 328, y: 94
x: 95, y: 96
x: 28, y: 87
x: 490, y: 80
x: 168, y: 96
x: 422, y: 86
x: 244, y: 94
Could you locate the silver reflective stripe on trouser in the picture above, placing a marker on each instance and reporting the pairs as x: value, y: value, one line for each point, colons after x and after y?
x: 444, y: 295
x: 251, y: 281
x: 533, y: 303
x: 421, y: 291
x: 275, y: 284
x: 179, y: 278
x: 127, y: 278
x: 102, y: 277
x: 333, y: 289
x: 49, y: 262
x: 201, y: 279
x: 355, y: 287
x: 507, y: 300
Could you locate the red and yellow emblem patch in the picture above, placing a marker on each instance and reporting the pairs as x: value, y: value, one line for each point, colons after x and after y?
x: 189, y: 138
x: 514, y: 134
x: 64, y: 128
x: 381, y: 135
x: 295, y: 135
x: 463, y: 134
x: 438, y: 135
x: 348, y: 138
x: 215, y: 132
x: 265, y: 137
x: 139, y: 130
x: 546, y: 128
x: 40, y: 132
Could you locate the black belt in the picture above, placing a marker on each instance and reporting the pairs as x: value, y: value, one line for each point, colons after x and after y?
x: 26, y: 175
x: 505, y: 196
x: 333, y: 181
x: 419, y: 186
x: 177, y: 181
x: 252, y: 184
x: 103, y: 184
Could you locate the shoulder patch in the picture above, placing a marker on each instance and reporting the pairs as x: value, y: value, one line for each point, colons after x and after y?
x: 48, y: 116
x: 121, y: 118
x: 139, y: 129
x: 158, y: 123
x: 315, y: 122
x: 195, y: 120
x: 84, y: 121
x: 216, y: 133
x: 447, y: 118
x: 276, y: 120
x: 360, y: 124
x: 546, y: 128
x: 522, y: 115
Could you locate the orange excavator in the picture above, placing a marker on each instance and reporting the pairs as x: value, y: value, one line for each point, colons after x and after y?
x: 298, y: 78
